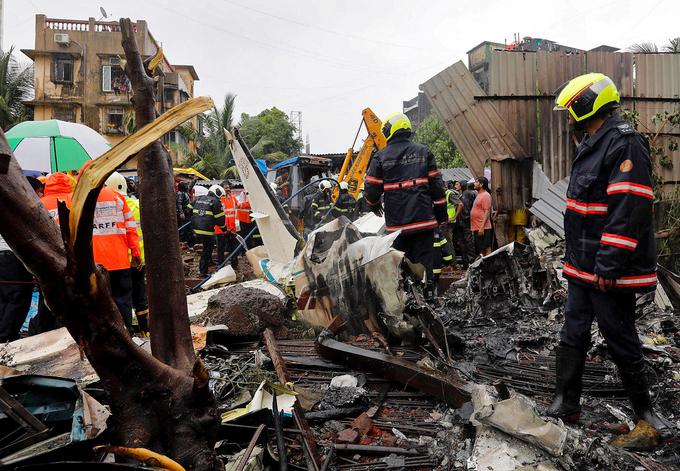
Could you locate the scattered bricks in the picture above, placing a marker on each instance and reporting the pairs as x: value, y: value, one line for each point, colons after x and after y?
x: 362, y: 424
x: 348, y: 436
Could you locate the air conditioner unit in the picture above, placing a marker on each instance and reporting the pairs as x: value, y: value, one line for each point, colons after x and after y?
x: 61, y: 39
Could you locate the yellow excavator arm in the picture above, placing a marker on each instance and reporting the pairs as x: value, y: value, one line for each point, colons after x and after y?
x: 353, y: 171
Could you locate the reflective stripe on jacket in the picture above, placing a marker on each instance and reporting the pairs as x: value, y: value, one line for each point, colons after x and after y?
x: 243, y: 212
x: 407, y: 174
x: 345, y: 205
x: 133, y: 204
x: 442, y: 253
x: 608, y: 219
x: 230, y: 205
x: 452, y: 200
x: 114, y: 231
x: 207, y: 212
x: 320, y: 206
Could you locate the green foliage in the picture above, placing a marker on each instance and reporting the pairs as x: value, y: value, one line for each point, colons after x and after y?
x: 213, y: 156
x: 667, y: 213
x: 434, y: 135
x: 16, y: 86
x: 673, y: 46
x: 270, y: 135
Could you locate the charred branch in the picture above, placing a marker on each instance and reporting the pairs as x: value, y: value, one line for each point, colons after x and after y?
x: 169, y: 319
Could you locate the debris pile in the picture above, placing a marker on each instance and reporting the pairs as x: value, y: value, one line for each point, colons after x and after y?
x: 351, y: 401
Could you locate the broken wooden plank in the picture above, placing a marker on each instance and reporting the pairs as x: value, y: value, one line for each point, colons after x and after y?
x: 308, y: 440
x: 453, y: 392
x: 249, y: 451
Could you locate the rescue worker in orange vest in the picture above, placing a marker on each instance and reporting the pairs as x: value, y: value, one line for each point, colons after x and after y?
x: 247, y: 224
x: 114, y: 241
x: 226, y: 240
x: 140, y: 302
x: 58, y: 187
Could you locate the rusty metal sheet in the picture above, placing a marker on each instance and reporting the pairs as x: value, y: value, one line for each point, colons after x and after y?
x: 475, y: 126
x: 618, y: 66
x: 512, y: 73
x: 656, y: 75
x: 555, y: 68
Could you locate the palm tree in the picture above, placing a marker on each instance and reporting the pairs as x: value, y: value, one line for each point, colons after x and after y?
x: 673, y: 46
x: 213, y: 155
x: 16, y: 86
x: 644, y: 48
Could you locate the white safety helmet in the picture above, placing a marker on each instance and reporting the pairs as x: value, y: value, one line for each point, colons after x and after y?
x: 344, y: 186
x: 117, y: 183
x: 217, y: 190
x: 273, y: 186
x: 325, y: 185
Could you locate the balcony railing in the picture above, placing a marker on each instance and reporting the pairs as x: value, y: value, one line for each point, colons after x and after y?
x: 84, y: 25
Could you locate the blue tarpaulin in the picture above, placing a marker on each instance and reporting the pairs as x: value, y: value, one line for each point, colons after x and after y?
x: 262, y: 165
x: 285, y: 163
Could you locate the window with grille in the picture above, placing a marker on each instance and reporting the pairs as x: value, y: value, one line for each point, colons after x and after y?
x: 64, y: 113
x: 114, y: 78
x: 63, y: 69
x: 114, y: 122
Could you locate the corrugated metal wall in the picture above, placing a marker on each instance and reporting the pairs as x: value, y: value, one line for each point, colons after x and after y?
x: 522, y: 86
x: 475, y: 126
x: 516, y: 118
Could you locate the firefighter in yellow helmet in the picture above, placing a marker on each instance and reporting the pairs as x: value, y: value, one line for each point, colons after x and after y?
x: 406, y: 175
x: 610, y: 249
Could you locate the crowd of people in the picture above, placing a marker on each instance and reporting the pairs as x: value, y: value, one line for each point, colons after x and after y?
x: 117, y: 246
x: 220, y: 222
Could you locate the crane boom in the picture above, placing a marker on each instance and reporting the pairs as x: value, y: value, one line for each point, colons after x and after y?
x: 353, y: 172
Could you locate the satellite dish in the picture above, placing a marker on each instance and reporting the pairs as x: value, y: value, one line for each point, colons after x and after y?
x: 104, y: 14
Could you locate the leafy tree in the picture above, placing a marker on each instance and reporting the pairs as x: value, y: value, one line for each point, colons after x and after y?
x: 434, y: 135
x: 270, y: 135
x: 16, y: 86
x: 213, y: 156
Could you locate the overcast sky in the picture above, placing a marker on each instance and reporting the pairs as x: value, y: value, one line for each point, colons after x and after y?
x: 330, y: 59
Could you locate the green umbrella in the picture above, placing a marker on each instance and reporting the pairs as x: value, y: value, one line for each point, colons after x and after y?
x: 55, y: 146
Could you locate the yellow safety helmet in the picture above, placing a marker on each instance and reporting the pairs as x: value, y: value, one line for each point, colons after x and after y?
x: 395, y: 122
x: 586, y: 95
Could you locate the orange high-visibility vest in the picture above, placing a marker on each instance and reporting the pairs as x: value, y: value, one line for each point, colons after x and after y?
x: 114, y: 231
x: 58, y: 187
x: 243, y: 212
x: 230, y: 205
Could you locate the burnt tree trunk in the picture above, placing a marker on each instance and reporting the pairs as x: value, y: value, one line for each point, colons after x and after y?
x: 163, y: 405
x: 168, y: 315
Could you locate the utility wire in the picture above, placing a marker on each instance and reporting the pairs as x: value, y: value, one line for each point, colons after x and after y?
x: 343, y: 34
x: 280, y: 46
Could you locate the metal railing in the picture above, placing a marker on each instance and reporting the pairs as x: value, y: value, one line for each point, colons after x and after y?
x: 62, y: 24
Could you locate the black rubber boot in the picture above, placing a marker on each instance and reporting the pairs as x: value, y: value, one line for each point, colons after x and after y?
x: 568, y: 383
x: 636, y: 385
